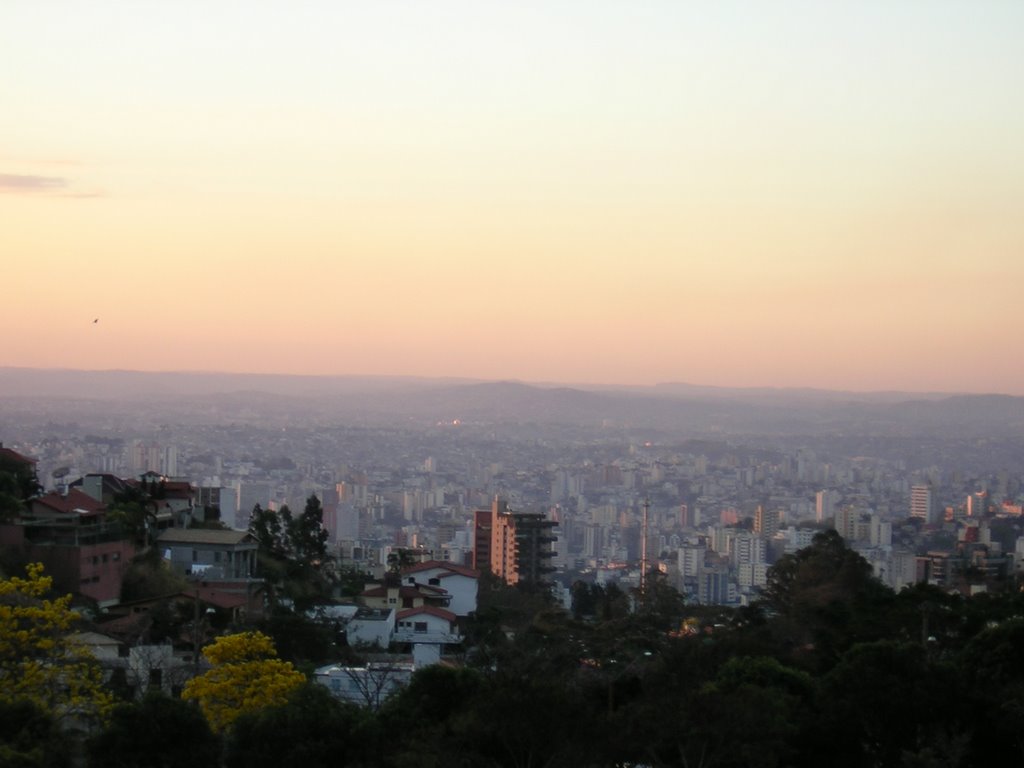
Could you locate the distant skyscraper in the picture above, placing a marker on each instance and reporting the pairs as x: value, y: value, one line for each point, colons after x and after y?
x: 520, y: 543
x: 922, y: 505
x: 846, y: 520
x: 482, y: 521
x: 976, y: 504
x: 767, y: 521
x: 824, y: 506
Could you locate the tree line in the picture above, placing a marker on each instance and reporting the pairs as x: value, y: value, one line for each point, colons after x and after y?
x: 830, y: 667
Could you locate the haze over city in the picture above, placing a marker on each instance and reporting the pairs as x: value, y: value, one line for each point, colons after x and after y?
x: 800, y: 194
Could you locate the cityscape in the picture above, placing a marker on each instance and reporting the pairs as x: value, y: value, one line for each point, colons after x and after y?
x: 516, y: 385
x: 418, y: 526
x: 722, y: 507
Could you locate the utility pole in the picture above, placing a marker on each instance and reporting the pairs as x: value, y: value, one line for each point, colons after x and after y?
x: 643, y: 553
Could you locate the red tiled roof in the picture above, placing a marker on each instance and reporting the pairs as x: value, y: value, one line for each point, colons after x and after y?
x: 7, y: 453
x: 74, y: 500
x: 430, y: 610
x: 462, y: 570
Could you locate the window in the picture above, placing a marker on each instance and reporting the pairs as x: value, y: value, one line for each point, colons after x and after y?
x: 420, y: 626
x: 195, y: 556
x: 116, y: 556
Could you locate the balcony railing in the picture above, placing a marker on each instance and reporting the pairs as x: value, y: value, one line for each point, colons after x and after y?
x: 434, y: 638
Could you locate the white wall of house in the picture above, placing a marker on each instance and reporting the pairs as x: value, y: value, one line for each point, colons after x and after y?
x: 367, y: 686
x: 373, y: 631
x: 463, y: 589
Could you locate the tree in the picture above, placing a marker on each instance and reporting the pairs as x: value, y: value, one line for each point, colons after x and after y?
x: 311, y: 728
x: 134, y: 509
x: 430, y: 713
x: 307, y: 537
x: 39, y: 660
x: 18, y: 483
x: 885, y: 701
x: 265, y: 526
x: 246, y: 677
x: 158, y: 731
x: 398, y: 559
x: 827, y: 598
x: 31, y: 738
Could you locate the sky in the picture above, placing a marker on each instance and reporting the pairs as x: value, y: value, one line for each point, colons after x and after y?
x: 733, y: 193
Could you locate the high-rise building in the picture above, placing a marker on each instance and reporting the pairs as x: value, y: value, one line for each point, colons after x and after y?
x: 846, y: 521
x: 520, y: 545
x: 922, y: 505
x: 824, y: 506
x: 977, y: 503
x: 767, y: 521
x: 713, y: 587
x: 482, y: 521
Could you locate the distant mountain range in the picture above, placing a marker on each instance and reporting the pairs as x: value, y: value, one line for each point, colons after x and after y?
x: 673, y: 406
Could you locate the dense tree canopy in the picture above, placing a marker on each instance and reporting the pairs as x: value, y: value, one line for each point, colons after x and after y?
x: 310, y: 728
x: 158, y: 732
x: 18, y: 483
x: 39, y: 659
x: 246, y: 677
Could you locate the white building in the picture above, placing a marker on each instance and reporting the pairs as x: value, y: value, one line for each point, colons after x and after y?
x: 459, y: 581
x: 371, y: 627
x: 368, y: 685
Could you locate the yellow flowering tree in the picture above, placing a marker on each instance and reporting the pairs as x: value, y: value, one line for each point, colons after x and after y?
x: 246, y: 677
x: 39, y: 660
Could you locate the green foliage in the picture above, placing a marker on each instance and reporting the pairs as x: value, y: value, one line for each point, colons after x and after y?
x: 148, y: 576
x: 398, y: 559
x: 311, y: 728
x: 157, y: 732
x: 299, y: 639
x: 135, y: 510
x: 31, y: 738
x: 827, y: 599
x: 265, y: 526
x: 884, y: 699
x: 18, y: 483
x: 293, y: 550
x: 302, y: 540
x: 307, y: 537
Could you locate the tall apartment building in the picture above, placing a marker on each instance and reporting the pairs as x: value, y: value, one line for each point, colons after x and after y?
x: 519, y: 549
x: 977, y: 503
x: 824, y: 506
x: 922, y: 505
x: 767, y: 521
x: 482, y: 521
x: 846, y: 522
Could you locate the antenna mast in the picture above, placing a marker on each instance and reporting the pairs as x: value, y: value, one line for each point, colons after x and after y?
x: 643, y: 552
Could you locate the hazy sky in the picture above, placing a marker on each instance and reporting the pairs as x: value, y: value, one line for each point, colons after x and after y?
x: 787, y: 193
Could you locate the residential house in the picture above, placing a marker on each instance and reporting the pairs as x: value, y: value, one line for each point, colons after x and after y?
x: 68, y: 534
x: 460, y: 582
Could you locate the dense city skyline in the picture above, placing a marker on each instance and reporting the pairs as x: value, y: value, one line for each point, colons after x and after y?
x: 798, y: 195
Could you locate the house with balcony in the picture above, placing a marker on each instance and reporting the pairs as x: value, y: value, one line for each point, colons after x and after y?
x: 212, y: 554
x: 458, y: 581
x: 68, y: 533
x: 427, y: 630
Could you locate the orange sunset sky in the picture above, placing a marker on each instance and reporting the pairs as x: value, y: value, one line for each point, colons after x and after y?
x: 741, y: 194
